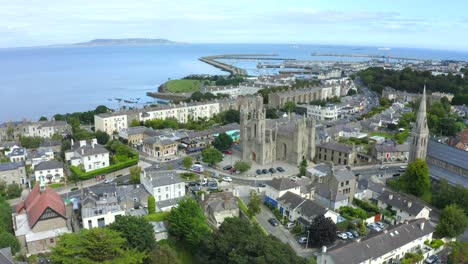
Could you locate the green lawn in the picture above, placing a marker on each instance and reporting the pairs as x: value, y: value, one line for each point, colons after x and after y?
x: 183, y: 86
x: 381, y: 134
x: 56, y: 185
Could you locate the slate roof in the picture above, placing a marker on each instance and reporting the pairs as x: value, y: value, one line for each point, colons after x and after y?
x: 17, y: 152
x: 379, y: 245
x: 291, y: 200
x: 391, y: 147
x: 311, y: 209
x: 337, y: 147
x: 11, y: 166
x: 49, y: 165
x: 221, y: 201
x: 164, y: 178
x: 282, y: 184
x: 448, y: 154
x: 36, y: 203
x: 324, y: 191
x: 452, y: 177
x: 401, y: 202
x: 162, y: 142
x: 50, y: 143
x: 343, y: 174
x: 5, y: 256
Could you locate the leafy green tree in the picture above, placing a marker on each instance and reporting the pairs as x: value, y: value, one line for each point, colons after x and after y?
x: 242, y: 166
x: 222, y: 142
x: 211, y: 155
x: 289, y: 107
x: 416, y: 179
x: 187, y: 222
x: 254, y: 205
x: 322, y: 231
x: 101, y: 109
x: 303, y: 168
x: 43, y: 118
x: 74, y: 123
x: 59, y: 117
x: 6, y: 224
x: 459, y: 253
x: 163, y: 254
x: 351, y: 92
x: 151, y: 204
x: 444, y: 194
x: 187, y: 162
x: 9, y: 240
x: 272, y: 113
x: 134, y: 123
x: 230, y: 116
x: 97, y: 245
x: 135, y: 172
x: 31, y: 142
x: 453, y: 222
x: 384, y: 102
x: 137, y: 231
x: 13, y: 190
x: 66, y: 145
x: 102, y: 137
x: 238, y: 241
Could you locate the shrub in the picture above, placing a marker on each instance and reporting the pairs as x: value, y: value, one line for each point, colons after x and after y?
x: 88, y: 175
x: 151, y: 204
x: 435, y: 243
x: 157, y: 217
x: 74, y: 189
x: 366, y: 206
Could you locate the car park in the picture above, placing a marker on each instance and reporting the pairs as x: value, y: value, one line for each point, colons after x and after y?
x: 273, y: 222
x: 227, y: 179
x: 259, y: 171
x: 302, y: 240
x: 375, y: 227
x: 228, y: 167
x: 343, y: 236
x: 280, y: 169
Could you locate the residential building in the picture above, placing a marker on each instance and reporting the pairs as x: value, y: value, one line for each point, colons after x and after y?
x: 406, y: 208
x: 389, y: 246
x: 49, y: 171
x: 89, y: 154
x: 13, y: 173
x: 40, y: 220
x: 420, y: 132
x: 264, y: 141
x: 136, y: 135
x: 16, y: 154
x: 278, y: 187
x: 460, y: 141
x: 446, y: 162
x: 157, y: 147
x: 132, y: 197
x: 36, y: 156
x: 181, y: 112
x: 404, y: 96
x: 55, y: 145
x: 296, y: 208
x: 111, y: 122
x: 44, y: 129
x: 6, y: 256
x: 219, y: 206
x: 335, y: 152
x: 390, y: 151
x: 278, y: 99
x: 322, y: 113
x: 101, y: 215
x: 167, y: 187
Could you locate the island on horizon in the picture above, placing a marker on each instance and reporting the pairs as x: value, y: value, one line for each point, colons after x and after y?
x: 126, y: 41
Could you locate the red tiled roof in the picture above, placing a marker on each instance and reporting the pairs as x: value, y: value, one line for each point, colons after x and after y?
x: 38, y: 202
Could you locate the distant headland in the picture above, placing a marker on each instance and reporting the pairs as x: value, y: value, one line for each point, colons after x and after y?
x: 127, y: 41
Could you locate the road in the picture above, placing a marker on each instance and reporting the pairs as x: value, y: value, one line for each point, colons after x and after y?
x: 374, y: 170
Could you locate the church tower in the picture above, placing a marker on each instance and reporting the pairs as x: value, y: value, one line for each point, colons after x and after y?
x: 420, y: 133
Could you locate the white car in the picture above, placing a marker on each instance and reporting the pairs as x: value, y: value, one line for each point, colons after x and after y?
x: 343, y: 236
x: 375, y: 227
x: 108, y: 180
x: 227, y: 179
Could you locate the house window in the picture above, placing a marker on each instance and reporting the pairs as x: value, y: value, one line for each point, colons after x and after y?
x: 347, y: 182
x: 51, y: 240
x: 101, y: 222
x: 159, y: 190
x: 342, y: 184
x: 90, y: 224
x: 159, y: 197
x: 167, y: 196
x: 89, y: 166
x: 89, y: 158
x: 167, y: 188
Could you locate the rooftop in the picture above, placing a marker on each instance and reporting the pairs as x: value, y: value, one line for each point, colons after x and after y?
x: 11, y: 166
x: 397, y: 200
x: 448, y: 154
x: 163, y: 178
x: 49, y: 165
x: 337, y: 147
x: 100, y: 210
x: 282, y: 184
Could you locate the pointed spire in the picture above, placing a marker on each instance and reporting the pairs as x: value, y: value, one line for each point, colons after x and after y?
x: 422, y: 105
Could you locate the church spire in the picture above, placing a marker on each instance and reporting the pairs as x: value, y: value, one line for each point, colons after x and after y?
x: 420, y: 132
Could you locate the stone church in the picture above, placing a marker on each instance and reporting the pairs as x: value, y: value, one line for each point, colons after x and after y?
x: 420, y: 132
x: 291, y: 138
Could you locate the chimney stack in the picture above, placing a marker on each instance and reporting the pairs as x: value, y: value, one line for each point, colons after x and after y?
x: 409, y: 204
x: 324, y: 249
x: 422, y: 226
x: 203, y: 196
x: 390, y: 197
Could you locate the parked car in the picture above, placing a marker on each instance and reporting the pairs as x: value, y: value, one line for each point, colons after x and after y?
x: 290, y: 225
x: 108, y: 180
x: 349, y: 235
x: 432, y: 259
x: 228, y: 167
x: 402, y: 168
x: 272, y: 170
x: 259, y: 171
x: 265, y: 171
x: 229, y: 152
x: 280, y: 169
x: 227, y: 179
x: 343, y: 236
x: 355, y: 233
x: 302, y: 240
x: 375, y: 227
x: 262, y: 185
x: 380, y: 225
x: 383, y: 167
x: 273, y: 222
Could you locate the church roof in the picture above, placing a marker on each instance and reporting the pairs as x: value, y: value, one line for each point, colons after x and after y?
x: 448, y: 154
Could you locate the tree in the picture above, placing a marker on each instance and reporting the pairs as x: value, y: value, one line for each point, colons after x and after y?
x: 271, y: 113
x: 416, y: 179
x: 211, y: 155
x: 222, y: 142
x: 9, y: 240
x: 135, y: 172
x: 163, y: 254
x: 137, y: 231
x: 459, y: 253
x: 59, y: 117
x: 43, y: 118
x: 66, y: 145
x: 97, y: 245
x: 151, y: 204
x: 102, y: 137
x: 453, y: 221
x: 74, y: 123
x: 187, y: 222
x: 135, y: 123
x: 238, y: 241
x: 6, y: 224
x: 242, y: 166
x: 351, y: 92
x: 231, y: 116
x: 289, y: 106
x: 13, y: 190
x: 187, y: 162
x: 31, y: 142
x: 303, y: 168
x: 322, y: 231
x: 253, y: 207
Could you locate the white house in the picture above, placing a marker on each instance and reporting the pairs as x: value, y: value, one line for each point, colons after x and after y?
x: 182, y: 112
x: 36, y: 156
x: 278, y: 187
x: 406, y: 208
x: 166, y: 186
x: 110, y: 122
x: 100, y: 215
x: 16, y: 154
x: 389, y: 246
x: 89, y: 154
x: 49, y: 171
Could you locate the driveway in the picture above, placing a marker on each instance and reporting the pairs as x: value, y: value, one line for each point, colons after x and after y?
x: 282, y: 233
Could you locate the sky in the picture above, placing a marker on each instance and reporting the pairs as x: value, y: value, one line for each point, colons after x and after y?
x: 432, y: 24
